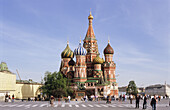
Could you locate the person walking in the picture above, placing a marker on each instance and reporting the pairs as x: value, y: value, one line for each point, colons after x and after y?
x: 52, y: 101
x: 84, y: 98
x: 95, y: 98
x: 145, y: 102
x: 12, y: 98
x: 107, y: 99
x: 6, y: 97
x: 113, y: 97
x: 35, y: 99
x: 9, y: 100
x: 153, y: 102
x: 120, y: 98
x: 69, y: 99
x: 123, y: 97
x: 130, y: 98
x: 159, y: 97
x: 137, y: 100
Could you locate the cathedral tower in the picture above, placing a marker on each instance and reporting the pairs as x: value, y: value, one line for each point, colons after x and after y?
x: 108, y: 53
x: 109, y: 69
x: 90, y: 44
x: 66, y: 56
x: 80, y: 74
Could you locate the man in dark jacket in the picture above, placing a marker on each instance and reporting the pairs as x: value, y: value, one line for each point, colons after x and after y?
x: 137, y: 100
x: 145, y: 102
x: 153, y: 102
x: 6, y: 97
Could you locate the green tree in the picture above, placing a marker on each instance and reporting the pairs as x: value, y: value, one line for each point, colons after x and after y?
x: 131, y: 89
x: 55, y: 84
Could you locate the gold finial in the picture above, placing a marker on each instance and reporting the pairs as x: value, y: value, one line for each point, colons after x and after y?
x: 67, y: 40
x: 90, y: 16
x: 108, y: 39
x: 80, y: 39
x: 90, y: 11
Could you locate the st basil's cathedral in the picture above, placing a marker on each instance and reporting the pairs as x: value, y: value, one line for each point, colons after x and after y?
x: 90, y: 74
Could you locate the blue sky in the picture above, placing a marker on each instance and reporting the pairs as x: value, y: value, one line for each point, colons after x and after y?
x: 33, y: 33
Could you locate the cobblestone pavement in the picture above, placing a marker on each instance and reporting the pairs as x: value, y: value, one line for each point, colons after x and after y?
x: 100, y: 105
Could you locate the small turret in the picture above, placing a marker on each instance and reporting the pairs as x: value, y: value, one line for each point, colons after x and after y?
x: 108, y: 53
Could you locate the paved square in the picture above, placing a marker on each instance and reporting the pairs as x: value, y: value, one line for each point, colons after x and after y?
x: 100, y: 105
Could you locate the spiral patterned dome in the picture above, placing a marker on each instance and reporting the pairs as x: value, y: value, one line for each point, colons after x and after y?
x: 67, y: 53
x: 97, y: 60
x: 108, y: 49
x: 80, y: 50
x: 71, y: 62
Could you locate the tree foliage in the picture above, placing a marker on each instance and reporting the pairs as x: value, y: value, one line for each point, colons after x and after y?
x: 55, y: 84
x: 131, y: 89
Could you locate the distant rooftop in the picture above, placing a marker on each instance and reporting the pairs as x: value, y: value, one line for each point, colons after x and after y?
x: 27, y: 81
x: 157, y: 86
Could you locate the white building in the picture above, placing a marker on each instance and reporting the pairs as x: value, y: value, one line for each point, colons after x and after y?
x: 7, y: 84
x: 158, y: 89
x: 21, y: 89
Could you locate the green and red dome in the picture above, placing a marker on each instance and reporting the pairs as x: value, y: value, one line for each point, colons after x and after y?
x: 108, y: 49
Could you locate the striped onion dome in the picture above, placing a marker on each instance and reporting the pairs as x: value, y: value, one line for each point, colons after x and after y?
x: 67, y: 53
x: 108, y: 49
x: 80, y: 50
x: 97, y: 60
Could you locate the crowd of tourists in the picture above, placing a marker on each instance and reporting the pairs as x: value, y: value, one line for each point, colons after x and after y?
x: 145, y: 98
x: 121, y: 98
x: 8, y: 98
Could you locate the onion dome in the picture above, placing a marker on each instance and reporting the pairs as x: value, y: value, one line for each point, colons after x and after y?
x: 67, y: 53
x: 108, y: 49
x: 97, y: 60
x: 71, y: 62
x: 80, y: 50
